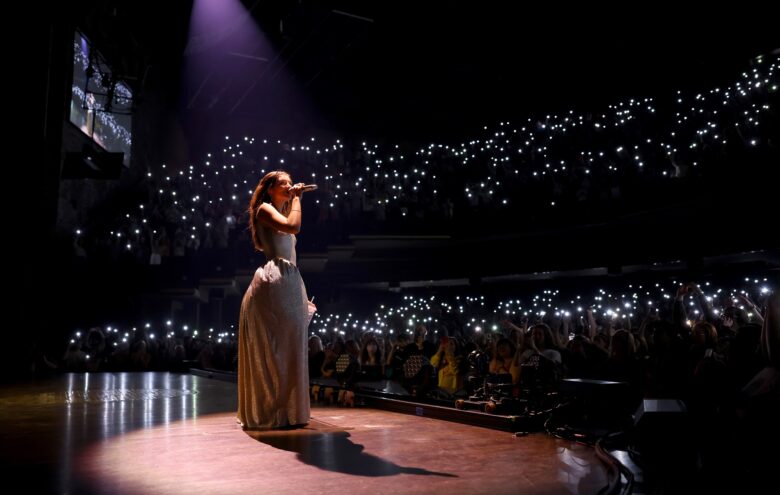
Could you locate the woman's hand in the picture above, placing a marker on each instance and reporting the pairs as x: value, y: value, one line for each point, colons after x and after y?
x: 311, y: 309
x: 297, y: 189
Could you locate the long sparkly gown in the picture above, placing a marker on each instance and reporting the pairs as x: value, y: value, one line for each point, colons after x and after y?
x: 273, y: 375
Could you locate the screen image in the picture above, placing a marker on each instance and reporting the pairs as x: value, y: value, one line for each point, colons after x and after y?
x: 100, y: 105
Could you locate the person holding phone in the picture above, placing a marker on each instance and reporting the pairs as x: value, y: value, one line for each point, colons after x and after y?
x: 447, y: 361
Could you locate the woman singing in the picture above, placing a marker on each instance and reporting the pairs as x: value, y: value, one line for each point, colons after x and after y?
x: 273, y: 379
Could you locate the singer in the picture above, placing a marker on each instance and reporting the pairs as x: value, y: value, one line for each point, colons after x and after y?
x: 273, y: 375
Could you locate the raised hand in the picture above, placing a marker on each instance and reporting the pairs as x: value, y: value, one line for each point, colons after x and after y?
x: 297, y: 189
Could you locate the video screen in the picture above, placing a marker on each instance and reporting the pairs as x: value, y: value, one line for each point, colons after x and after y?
x: 100, y: 105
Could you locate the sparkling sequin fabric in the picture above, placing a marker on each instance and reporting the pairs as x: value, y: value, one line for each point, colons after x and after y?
x: 273, y: 375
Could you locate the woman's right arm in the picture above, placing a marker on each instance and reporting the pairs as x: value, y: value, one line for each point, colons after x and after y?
x: 268, y: 216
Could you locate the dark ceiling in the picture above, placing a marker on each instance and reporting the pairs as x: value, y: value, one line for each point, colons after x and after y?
x: 444, y: 69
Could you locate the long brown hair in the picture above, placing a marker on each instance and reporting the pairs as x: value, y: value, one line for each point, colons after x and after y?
x: 261, y: 196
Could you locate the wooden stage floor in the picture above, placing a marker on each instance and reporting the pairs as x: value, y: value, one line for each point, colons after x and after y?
x: 168, y: 433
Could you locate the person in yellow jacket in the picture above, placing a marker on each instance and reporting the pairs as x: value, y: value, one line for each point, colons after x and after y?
x: 447, y: 361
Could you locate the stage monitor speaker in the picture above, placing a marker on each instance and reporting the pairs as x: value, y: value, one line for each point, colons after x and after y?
x: 662, y: 430
x: 602, y: 402
x: 655, y: 412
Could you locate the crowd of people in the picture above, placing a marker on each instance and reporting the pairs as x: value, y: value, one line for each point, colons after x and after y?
x: 560, y: 169
x: 646, y: 334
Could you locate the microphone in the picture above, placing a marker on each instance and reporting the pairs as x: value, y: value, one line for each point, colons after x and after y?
x: 308, y: 187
